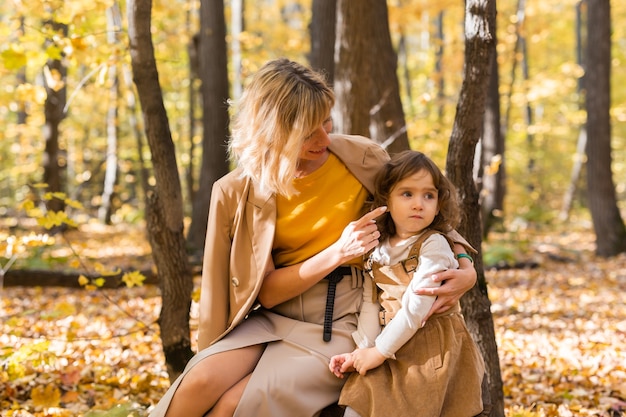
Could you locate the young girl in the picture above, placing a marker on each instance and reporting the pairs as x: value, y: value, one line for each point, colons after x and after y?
x: 411, y: 368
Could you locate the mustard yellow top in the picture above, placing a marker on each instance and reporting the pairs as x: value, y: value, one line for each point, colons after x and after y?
x: 328, y: 199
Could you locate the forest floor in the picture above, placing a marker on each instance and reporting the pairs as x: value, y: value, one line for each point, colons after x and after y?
x: 560, y: 327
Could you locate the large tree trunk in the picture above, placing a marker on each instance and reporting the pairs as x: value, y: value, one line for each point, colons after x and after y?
x: 323, y: 28
x: 215, y: 119
x: 164, y: 205
x: 607, y: 222
x: 366, y: 83
x: 467, y: 130
x: 492, y: 156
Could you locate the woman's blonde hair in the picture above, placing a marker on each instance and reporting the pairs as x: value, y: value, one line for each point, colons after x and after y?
x: 283, y: 103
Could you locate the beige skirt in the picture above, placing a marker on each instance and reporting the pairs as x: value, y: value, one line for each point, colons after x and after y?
x: 438, y: 372
x: 292, y: 377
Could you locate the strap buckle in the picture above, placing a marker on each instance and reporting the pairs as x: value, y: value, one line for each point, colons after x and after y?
x: 410, y: 264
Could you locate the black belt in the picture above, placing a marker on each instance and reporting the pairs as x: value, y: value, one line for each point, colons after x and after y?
x: 333, y: 278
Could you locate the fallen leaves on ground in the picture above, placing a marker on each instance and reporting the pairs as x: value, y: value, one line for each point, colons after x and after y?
x: 560, y: 330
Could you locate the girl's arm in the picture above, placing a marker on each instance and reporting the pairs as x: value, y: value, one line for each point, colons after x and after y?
x: 368, y: 327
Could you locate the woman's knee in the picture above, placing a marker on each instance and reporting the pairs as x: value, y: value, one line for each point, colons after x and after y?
x: 214, y: 375
x: 201, y: 379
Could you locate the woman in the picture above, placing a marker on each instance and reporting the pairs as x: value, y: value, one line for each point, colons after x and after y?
x: 286, y: 218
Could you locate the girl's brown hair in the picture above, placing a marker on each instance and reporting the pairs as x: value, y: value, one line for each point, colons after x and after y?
x: 402, y: 165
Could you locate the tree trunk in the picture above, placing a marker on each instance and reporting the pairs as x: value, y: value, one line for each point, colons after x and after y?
x: 55, y: 82
x: 237, y: 21
x: 492, y: 149
x: 215, y: 119
x: 607, y: 222
x: 521, y: 17
x: 441, y: 83
x: 366, y: 83
x: 164, y: 206
x: 114, y: 23
x: 467, y: 129
x: 568, y: 197
x: 323, y: 29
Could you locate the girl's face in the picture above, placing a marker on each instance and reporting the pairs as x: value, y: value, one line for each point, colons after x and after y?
x: 316, y: 144
x: 413, y: 203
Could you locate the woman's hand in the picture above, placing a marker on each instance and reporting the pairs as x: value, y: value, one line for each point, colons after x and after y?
x: 359, y: 236
x: 456, y: 282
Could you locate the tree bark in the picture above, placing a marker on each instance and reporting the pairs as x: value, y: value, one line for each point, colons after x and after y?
x: 467, y: 130
x: 323, y: 30
x: 366, y: 83
x: 492, y: 172
x: 607, y: 221
x: 215, y: 118
x: 114, y: 24
x: 55, y: 82
x: 164, y: 208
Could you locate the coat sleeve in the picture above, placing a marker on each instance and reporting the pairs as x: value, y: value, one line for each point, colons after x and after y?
x: 214, y: 292
x: 456, y: 237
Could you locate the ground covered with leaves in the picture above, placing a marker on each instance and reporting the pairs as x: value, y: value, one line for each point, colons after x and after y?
x: 560, y: 323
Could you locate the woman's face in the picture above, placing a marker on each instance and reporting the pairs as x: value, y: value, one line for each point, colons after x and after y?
x: 316, y: 144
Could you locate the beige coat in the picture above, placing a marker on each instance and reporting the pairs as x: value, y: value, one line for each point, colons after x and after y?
x: 241, y: 222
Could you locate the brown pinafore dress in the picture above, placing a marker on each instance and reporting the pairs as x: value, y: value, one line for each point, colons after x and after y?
x: 438, y: 372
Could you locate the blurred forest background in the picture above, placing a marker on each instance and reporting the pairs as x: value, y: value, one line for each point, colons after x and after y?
x: 541, y: 100
x: 77, y: 167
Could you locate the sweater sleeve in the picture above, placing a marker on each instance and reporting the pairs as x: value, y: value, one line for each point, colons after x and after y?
x: 435, y: 256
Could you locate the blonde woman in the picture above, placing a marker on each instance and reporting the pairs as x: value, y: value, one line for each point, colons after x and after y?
x: 286, y: 233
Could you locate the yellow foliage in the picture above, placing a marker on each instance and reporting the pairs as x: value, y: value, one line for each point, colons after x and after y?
x: 55, y: 218
x: 13, y: 58
x: 27, y: 205
x: 73, y: 203
x: 134, y: 278
x: 195, y: 295
x: 46, y: 396
x: 103, y: 270
x: 65, y: 309
x: 59, y: 195
x: 83, y: 280
x: 494, y: 166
